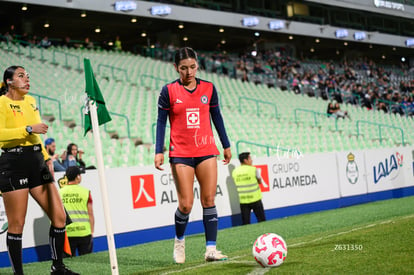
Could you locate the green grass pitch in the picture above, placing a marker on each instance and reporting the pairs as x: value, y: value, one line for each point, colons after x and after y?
x: 373, y: 238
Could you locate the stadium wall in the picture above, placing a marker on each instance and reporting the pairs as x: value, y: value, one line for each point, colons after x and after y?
x: 143, y: 199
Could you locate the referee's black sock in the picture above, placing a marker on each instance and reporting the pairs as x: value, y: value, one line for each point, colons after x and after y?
x: 14, y: 246
x: 56, y: 242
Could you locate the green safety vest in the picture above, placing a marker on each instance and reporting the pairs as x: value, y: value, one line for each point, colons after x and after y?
x: 75, y: 199
x: 248, y: 188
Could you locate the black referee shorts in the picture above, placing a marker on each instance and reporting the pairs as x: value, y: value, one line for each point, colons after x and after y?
x: 23, y: 167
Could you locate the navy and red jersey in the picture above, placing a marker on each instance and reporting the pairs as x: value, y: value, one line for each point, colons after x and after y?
x: 189, y: 113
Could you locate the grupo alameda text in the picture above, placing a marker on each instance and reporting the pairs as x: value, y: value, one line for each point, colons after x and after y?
x: 291, y: 180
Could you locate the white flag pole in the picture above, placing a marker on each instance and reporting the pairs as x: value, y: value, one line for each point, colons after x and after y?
x: 104, y: 191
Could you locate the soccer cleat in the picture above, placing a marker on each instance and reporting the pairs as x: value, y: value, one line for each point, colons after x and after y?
x: 179, y: 251
x: 212, y: 254
x: 61, y: 270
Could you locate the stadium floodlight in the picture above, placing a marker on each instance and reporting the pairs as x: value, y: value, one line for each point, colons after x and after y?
x: 163, y: 10
x: 409, y: 42
x: 250, y: 21
x: 341, y: 33
x: 360, y: 36
x: 276, y: 24
x: 125, y: 5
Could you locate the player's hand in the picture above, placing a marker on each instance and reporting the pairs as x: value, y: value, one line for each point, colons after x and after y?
x: 40, y: 128
x: 158, y: 161
x: 227, y: 155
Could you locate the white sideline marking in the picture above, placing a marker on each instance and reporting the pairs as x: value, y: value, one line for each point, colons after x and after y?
x: 351, y: 230
x: 260, y: 270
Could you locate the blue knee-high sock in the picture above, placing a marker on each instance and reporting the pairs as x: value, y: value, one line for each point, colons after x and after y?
x: 210, y: 222
x: 14, y: 246
x: 181, y: 221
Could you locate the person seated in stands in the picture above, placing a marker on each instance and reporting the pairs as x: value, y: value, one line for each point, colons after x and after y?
x: 45, y: 42
x: 241, y: 71
x: 381, y: 106
x: 334, y: 110
x: 257, y: 71
x: 408, y: 102
x: 50, y: 146
x: 74, y: 157
x: 398, y: 107
x: 296, y: 84
x: 88, y: 44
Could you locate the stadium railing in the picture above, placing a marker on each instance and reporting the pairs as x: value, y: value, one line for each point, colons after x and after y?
x: 257, y: 103
x: 294, y: 152
x: 41, y: 111
x: 315, y: 116
x: 380, y: 126
x: 113, y: 70
x: 67, y: 56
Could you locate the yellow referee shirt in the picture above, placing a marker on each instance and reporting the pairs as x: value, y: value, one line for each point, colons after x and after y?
x: 15, y: 115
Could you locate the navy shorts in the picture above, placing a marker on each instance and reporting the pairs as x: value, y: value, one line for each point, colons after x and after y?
x: 23, y: 167
x: 193, y: 162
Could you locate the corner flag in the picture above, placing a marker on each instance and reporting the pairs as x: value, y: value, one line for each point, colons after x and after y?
x: 95, y: 115
x: 93, y: 93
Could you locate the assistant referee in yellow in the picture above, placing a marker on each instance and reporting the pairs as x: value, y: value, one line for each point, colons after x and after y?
x: 247, y: 179
x: 23, y: 169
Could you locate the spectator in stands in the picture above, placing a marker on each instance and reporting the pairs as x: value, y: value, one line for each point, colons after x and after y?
x: 247, y: 179
x: 25, y: 38
x: 191, y: 103
x: 66, y: 42
x: 334, y: 110
x: 73, y: 157
x: 257, y: 73
x: 296, y: 84
x: 8, y: 37
x: 241, y: 71
x: 118, y: 44
x: 45, y: 42
x: 50, y: 146
x: 34, y: 40
x: 88, y: 44
x: 202, y: 61
x: 24, y: 170
x: 80, y: 231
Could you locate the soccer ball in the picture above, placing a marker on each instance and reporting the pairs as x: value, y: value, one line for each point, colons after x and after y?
x: 269, y: 250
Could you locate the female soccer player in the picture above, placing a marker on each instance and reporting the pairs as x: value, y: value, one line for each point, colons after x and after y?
x: 23, y: 169
x: 190, y: 102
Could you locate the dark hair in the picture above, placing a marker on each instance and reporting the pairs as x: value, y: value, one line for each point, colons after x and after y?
x: 184, y: 53
x: 72, y: 172
x: 244, y: 156
x: 69, y: 149
x: 8, y: 74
